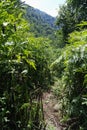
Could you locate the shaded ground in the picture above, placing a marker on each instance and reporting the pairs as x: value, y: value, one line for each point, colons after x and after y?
x: 50, y: 114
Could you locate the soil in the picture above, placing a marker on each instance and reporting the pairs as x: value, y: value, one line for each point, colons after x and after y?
x: 51, y: 116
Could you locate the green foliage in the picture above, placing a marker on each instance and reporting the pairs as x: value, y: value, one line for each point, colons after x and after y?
x: 42, y: 24
x: 41, y: 53
x: 71, y: 14
x: 72, y: 70
x: 80, y: 9
x: 24, y: 70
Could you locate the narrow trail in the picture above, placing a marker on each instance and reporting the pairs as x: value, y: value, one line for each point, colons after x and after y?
x: 50, y: 114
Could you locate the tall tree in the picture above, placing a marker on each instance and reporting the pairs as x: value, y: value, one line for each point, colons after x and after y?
x: 70, y: 14
x: 80, y: 8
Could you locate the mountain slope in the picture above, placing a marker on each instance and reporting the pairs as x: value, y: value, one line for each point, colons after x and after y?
x: 42, y: 24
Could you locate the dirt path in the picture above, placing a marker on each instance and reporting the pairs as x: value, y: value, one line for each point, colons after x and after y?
x: 50, y: 114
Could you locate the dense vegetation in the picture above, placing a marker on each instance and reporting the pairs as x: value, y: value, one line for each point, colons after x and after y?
x: 71, y: 66
x: 24, y: 70
x: 32, y: 58
x: 46, y: 25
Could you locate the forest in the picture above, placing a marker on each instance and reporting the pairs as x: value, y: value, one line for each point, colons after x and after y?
x: 41, y: 54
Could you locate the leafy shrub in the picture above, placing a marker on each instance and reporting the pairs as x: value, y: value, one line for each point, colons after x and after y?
x: 24, y: 70
x: 72, y: 69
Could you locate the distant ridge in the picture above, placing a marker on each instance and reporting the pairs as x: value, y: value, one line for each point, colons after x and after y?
x: 42, y: 24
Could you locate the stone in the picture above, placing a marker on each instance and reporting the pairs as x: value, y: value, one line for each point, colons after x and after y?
x: 57, y: 107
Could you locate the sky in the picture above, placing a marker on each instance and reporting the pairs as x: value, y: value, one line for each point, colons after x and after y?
x: 49, y: 6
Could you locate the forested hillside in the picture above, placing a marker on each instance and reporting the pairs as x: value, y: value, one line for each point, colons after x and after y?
x: 33, y: 61
x: 42, y: 24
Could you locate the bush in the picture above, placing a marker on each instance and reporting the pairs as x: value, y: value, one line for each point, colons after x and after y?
x: 72, y: 69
